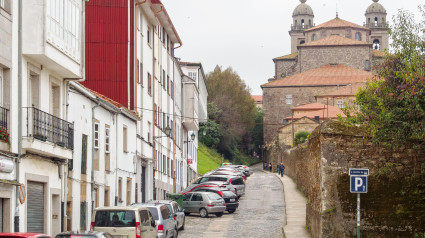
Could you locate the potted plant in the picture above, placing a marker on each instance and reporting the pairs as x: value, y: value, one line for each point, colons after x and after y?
x: 4, y: 135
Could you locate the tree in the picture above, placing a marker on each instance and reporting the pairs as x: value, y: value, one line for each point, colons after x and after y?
x: 392, y: 105
x: 301, y: 137
x: 235, y: 109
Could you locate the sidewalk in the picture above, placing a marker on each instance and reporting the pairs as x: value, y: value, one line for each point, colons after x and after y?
x: 295, y: 204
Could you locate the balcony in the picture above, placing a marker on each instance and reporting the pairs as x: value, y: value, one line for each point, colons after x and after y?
x: 4, y: 119
x: 376, y: 25
x: 300, y: 27
x: 47, y: 135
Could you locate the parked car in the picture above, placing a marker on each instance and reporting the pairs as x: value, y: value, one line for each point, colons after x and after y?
x: 130, y: 222
x: 229, y: 197
x: 24, y: 235
x: 223, y: 183
x: 176, y: 211
x: 190, y: 188
x: 84, y: 234
x: 236, y: 181
x: 164, y: 219
x: 203, y: 203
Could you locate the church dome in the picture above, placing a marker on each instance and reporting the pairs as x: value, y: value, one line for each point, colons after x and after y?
x: 375, y: 7
x: 303, y: 9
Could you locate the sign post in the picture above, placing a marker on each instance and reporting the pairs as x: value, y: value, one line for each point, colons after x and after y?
x: 358, y: 184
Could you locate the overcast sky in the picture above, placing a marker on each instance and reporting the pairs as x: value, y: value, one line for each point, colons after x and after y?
x: 248, y: 34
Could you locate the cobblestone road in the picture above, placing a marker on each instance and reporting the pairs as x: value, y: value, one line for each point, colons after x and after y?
x: 261, y: 212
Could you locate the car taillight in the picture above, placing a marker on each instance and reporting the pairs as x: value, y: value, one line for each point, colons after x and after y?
x: 92, y: 226
x: 230, y: 181
x: 210, y: 205
x: 138, y: 230
x: 160, y: 228
x: 220, y: 193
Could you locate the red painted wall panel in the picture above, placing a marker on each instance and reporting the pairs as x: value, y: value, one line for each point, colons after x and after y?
x: 106, y: 48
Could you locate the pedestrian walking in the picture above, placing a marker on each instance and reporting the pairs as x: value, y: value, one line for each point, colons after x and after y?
x: 270, y: 167
x: 265, y: 165
x: 282, y: 169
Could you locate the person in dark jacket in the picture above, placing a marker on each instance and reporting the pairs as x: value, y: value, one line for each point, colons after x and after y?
x: 270, y: 167
x: 281, y: 169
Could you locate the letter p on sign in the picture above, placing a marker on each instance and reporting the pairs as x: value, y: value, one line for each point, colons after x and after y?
x: 358, y: 184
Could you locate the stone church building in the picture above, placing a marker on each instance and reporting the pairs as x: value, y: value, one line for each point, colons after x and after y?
x: 324, y: 58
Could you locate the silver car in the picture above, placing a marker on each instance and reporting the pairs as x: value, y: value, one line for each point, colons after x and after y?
x: 203, y: 203
x: 176, y: 211
x: 164, y: 220
x: 234, y: 180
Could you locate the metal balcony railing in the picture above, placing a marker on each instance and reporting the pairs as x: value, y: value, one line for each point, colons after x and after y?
x: 46, y: 127
x: 4, y: 119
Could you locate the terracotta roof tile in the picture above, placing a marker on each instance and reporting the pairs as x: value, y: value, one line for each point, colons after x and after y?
x: 257, y: 98
x: 323, y: 111
x: 337, y: 23
x: 349, y: 90
x: 334, y: 40
x: 325, y: 75
x: 290, y: 56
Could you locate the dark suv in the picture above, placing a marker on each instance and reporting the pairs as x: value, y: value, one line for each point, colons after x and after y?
x: 229, y: 197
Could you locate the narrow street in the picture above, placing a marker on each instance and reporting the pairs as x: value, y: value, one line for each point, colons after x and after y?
x: 261, y: 212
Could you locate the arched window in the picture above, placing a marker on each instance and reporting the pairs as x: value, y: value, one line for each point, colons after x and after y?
x: 376, y: 45
x: 313, y: 37
x: 302, y: 42
x: 358, y: 36
x: 376, y: 21
x: 309, y: 23
x: 302, y: 23
x: 368, y: 20
x: 295, y: 22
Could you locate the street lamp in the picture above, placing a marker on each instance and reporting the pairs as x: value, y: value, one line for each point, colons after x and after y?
x: 192, y: 137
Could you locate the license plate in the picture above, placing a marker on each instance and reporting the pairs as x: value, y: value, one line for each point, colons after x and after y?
x: 232, y: 200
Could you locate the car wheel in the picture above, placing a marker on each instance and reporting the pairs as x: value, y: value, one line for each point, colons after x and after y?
x: 219, y: 214
x: 203, y: 212
x: 231, y: 210
x: 182, y: 228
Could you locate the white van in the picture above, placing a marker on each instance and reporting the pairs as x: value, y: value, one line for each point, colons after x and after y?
x: 124, y: 222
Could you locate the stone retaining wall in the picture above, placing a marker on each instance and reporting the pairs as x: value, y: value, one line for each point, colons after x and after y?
x: 395, y: 203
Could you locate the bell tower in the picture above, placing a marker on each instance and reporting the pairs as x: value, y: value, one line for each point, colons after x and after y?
x: 302, y: 19
x: 376, y: 21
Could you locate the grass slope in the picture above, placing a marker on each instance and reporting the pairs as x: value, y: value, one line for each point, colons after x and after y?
x: 208, y: 159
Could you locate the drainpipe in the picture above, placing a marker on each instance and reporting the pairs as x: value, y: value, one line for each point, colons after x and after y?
x: 92, y: 153
x: 116, y: 159
x: 128, y: 55
x: 16, y: 219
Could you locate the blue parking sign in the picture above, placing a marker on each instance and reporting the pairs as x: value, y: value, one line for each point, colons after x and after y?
x: 358, y: 184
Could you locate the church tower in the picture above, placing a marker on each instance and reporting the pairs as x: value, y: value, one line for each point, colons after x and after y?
x: 376, y: 21
x: 302, y: 19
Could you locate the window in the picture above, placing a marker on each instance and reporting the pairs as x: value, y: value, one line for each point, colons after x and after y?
x: 163, y: 78
x: 106, y: 197
x: 63, y: 26
x: 168, y: 166
x: 149, y: 84
x: 302, y: 23
x: 358, y: 36
x: 35, y: 89
x: 302, y: 42
x: 128, y: 198
x: 160, y: 75
x: 119, y: 189
x: 124, y: 139
x: 96, y: 135
x: 340, y: 103
x: 1, y: 89
x: 149, y: 131
x: 376, y: 44
x: 141, y: 73
x: 107, y: 131
x: 168, y: 84
x: 192, y: 75
x: 313, y: 37
x: 164, y: 164
x: 288, y: 99
x: 148, y: 35
x: 84, y: 155
x: 172, y: 89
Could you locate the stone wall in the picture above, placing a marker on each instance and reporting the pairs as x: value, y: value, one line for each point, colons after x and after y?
x: 351, y: 56
x: 394, y: 205
x: 303, y: 124
x: 285, y: 68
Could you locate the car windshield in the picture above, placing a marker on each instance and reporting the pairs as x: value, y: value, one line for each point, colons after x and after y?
x: 228, y: 193
x: 214, y: 196
x: 115, y: 218
x: 154, y: 213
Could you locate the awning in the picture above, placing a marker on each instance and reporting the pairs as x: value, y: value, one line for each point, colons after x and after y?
x: 11, y: 182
